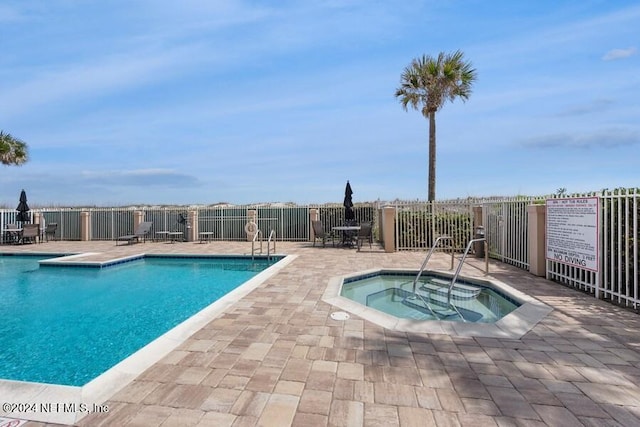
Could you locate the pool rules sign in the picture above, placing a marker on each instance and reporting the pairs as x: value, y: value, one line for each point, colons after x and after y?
x: 572, y: 231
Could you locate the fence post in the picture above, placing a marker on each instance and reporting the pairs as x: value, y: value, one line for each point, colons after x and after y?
x: 477, y: 218
x: 138, y: 217
x: 388, y: 228
x: 314, y: 215
x: 38, y: 218
x: 537, y: 239
x: 192, y: 227
x: 85, y: 226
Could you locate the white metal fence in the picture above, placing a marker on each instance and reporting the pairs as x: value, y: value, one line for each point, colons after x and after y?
x: 506, y: 229
x: 618, y: 278
x: 290, y: 223
x: 620, y: 275
x: 418, y: 224
x: 505, y: 222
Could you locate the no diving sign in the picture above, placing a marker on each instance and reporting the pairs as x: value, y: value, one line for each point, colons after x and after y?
x: 572, y: 231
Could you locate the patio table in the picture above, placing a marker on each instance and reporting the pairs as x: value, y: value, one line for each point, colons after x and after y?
x: 347, y: 238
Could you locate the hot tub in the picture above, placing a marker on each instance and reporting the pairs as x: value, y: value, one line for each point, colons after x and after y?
x: 475, y: 307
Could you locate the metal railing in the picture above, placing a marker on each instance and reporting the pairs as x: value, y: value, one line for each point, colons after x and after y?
x: 459, y: 268
x: 257, y: 234
x: 272, y: 237
x: 426, y: 260
x: 418, y: 223
x: 226, y: 223
x: 505, y: 222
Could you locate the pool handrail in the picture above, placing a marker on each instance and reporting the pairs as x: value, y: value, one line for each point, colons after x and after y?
x: 457, y: 273
x: 426, y: 260
x: 253, y: 241
x: 272, y: 234
x: 272, y: 237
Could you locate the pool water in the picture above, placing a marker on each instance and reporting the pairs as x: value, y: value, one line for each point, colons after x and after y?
x: 67, y: 325
x: 393, y: 294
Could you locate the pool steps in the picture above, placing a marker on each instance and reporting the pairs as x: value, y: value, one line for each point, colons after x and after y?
x: 459, y: 291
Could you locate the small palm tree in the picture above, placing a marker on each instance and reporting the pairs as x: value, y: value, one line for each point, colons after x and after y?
x: 426, y: 84
x: 12, y: 150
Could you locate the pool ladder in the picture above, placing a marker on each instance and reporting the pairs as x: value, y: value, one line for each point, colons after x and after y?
x: 415, y: 295
x: 272, y: 237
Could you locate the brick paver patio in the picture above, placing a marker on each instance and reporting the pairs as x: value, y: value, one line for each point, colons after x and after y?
x: 277, y: 358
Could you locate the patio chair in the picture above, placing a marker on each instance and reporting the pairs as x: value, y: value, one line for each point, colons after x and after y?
x: 11, y: 234
x: 50, y: 231
x: 29, y: 233
x: 319, y: 233
x: 365, y: 234
x: 141, y: 231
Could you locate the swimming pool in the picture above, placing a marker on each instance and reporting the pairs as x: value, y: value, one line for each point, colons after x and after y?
x: 69, y: 324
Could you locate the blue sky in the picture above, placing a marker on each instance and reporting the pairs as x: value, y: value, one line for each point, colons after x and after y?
x: 198, y: 102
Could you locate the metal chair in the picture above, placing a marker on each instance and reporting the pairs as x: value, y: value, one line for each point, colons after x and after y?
x: 50, y: 231
x: 365, y: 233
x: 319, y: 233
x: 30, y: 232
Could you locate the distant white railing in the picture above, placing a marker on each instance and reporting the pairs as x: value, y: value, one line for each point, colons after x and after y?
x: 226, y: 223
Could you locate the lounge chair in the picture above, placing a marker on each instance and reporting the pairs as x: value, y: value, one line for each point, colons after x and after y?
x: 29, y: 233
x: 141, y: 231
x: 319, y: 233
x: 365, y: 234
x: 50, y: 231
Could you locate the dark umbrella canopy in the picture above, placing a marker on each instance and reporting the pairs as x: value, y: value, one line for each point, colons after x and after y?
x: 349, y: 215
x: 23, y: 208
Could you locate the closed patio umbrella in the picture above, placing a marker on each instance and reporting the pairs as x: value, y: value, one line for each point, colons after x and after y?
x: 23, y: 209
x: 349, y: 215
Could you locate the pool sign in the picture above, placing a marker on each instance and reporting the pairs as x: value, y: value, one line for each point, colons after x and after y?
x: 572, y: 231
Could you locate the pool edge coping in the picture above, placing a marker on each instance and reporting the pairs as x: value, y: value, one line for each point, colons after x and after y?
x: 107, y: 384
x: 512, y: 326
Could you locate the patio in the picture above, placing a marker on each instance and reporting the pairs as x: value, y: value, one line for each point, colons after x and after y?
x: 276, y: 357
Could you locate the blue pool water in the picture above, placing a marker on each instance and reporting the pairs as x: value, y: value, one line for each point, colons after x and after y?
x: 67, y: 325
x: 392, y: 294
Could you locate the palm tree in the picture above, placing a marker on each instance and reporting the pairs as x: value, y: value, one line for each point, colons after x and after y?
x: 428, y: 83
x: 12, y: 150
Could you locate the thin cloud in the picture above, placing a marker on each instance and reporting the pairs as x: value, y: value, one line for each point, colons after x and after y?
x: 614, y: 54
x: 595, y: 106
x: 613, y: 138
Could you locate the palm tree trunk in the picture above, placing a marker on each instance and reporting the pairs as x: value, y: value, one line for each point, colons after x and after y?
x: 432, y: 156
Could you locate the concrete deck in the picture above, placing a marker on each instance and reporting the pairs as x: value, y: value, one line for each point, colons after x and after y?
x: 277, y: 358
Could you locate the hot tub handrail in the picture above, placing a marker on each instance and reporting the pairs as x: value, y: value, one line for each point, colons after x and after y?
x: 457, y: 273
x: 426, y: 260
x: 427, y: 305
